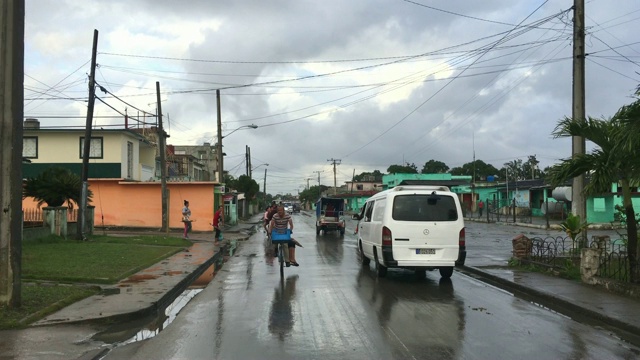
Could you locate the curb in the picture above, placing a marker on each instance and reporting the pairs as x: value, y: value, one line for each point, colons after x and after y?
x: 552, y: 226
x: 552, y: 302
x: 157, y: 306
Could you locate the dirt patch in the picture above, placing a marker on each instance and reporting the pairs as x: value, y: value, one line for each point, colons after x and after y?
x: 140, y: 278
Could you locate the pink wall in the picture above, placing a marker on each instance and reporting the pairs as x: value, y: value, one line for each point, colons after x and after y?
x: 139, y: 204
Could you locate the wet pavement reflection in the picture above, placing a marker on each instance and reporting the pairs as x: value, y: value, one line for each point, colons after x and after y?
x: 331, y: 307
x: 281, y: 315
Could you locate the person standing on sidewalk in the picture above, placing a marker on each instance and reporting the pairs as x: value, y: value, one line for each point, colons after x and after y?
x: 480, y: 207
x: 186, y: 219
x: 218, y: 222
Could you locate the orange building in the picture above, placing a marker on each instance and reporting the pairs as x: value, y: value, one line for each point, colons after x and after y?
x: 139, y: 204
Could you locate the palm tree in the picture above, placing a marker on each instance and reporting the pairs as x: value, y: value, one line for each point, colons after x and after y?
x: 607, y: 164
x: 55, y: 186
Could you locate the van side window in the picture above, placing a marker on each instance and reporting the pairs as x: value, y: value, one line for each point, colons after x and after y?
x: 378, y: 209
x: 424, y: 208
x: 368, y: 211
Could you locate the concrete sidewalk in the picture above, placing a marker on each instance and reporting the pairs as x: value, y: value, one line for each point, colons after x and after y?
x: 152, y: 289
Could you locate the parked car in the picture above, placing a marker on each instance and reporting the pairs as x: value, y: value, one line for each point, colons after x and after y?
x: 414, y: 227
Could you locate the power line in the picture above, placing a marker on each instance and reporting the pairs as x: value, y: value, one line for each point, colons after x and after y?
x: 115, y: 96
x: 454, y: 78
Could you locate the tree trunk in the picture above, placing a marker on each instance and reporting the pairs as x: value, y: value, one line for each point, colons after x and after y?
x: 632, y: 232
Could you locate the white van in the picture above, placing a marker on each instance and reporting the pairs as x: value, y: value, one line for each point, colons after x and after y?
x: 415, y: 227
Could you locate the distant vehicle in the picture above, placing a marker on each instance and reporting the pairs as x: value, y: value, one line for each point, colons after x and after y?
x: 288, y: 207
x: 330, y: 215
x: 412, y: 227
x: 296, y: 207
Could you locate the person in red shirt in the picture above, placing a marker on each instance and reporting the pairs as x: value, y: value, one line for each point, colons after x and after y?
x: 218, y: 221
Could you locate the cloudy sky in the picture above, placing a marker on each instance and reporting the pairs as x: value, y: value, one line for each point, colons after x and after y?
x: 368, y: 82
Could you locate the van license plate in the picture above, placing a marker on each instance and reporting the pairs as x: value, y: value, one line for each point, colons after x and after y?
x: 425, y: 251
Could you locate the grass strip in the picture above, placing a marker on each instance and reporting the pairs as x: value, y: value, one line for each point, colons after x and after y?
x: 39, y: 301
x: 103, y: 260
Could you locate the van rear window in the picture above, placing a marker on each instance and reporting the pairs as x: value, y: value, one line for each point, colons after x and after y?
x: 424, y: 208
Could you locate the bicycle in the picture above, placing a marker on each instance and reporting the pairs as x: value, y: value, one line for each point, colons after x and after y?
x: 280, y: 237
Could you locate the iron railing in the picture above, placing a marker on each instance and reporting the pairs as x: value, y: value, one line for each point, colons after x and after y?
x: 504, y: 210
x: 33, y: 217
x: 557, y: 252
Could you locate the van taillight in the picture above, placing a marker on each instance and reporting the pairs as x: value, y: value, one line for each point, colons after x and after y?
x: 386, y: 236
x: 461, y: 239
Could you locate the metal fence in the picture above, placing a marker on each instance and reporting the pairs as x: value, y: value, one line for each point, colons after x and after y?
x: 558, y: 252
x: 555, y: 251
x: 505, y: 210
x: 614, y: 259
x: 33, y: 217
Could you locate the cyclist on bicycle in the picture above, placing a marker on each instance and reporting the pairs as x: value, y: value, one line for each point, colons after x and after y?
x: 268, y: 215
x: 280, y: 221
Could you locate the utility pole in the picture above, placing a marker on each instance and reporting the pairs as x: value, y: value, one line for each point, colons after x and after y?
x: 163, y: 162
x: 220, y: 157
x: 578, y: 205
x: 11, y: 108
x: 264, y: 185
x: 319, y: 191
x: 353, y: 179
x: 308, y: 182
x: 246, y: 160
x: 250, y: 170
x: 84, y: 194
x: 335, y: 185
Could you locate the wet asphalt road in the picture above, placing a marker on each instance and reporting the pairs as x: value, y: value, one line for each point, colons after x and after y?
x: 332, y: 308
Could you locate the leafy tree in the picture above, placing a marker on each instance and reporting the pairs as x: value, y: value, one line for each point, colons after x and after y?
x: 481, y: 169
x: 375, y: 176
x: 229, y: 181
x: 513, y: 170
x: 55, y: 186
x: 610, y: 162
x: 247, y: 185
x: 403, y: 169
x: 434, y: 167
x: 530, y: 168
x: 312, y: 194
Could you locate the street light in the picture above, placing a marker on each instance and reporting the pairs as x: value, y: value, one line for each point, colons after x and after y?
x: 252, y: 126
x: 220, y: 156
x: 265, y: 164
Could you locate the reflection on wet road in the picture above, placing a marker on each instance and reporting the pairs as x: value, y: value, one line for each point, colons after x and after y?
x: 333, y: 308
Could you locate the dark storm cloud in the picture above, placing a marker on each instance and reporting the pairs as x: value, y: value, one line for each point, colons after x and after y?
x: 499, y: 116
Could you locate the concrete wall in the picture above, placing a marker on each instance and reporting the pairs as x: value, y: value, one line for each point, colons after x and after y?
x: 139, y: 204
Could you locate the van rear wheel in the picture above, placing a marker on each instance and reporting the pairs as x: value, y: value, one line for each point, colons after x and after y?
x: 446, y: 272
x: 365, y: 260
x: 381, y: 270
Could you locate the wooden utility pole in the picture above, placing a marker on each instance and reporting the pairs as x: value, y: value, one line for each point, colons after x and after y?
x: 335, y: 162
x: 86, y: 146
x: 246, y: 160
x: 578, y: 204
x: 353, y: 179
x: 264, y: 185
x: 249, y: 157
x: 319, y: 190
x: 163, y: 163
x: 220, y: 157
x: 11, y: 108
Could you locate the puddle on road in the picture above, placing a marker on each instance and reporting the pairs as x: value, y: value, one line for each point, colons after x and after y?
x: 146, y: 328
